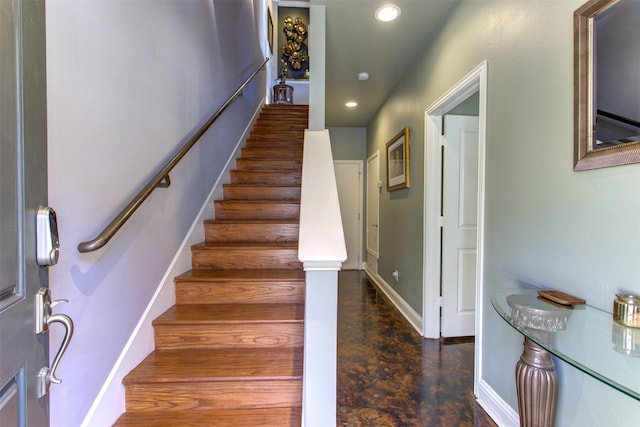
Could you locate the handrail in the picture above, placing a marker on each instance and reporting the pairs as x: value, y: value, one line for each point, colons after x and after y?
x: 161, y: 179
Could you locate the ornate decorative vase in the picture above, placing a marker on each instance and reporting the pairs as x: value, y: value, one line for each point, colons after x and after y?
x: 282, y: 94
x: 626, y: 310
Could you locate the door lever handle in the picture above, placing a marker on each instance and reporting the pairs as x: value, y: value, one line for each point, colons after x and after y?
x: 44, y: 319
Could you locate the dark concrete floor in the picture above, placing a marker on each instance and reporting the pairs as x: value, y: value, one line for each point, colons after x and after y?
x: 390, y: 376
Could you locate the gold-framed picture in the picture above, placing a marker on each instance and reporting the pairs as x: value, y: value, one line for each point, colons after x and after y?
x: 398, y: 161
x: 270, y: 30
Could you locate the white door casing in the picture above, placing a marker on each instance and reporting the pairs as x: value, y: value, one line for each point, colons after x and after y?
x: 373, y: 214
x: 460, y: 213
x: 22, y: 145
x: 474, y: 82
x: 350, y: 194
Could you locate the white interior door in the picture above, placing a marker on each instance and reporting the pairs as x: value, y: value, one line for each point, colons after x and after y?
x: 459, y: 236
x: 373, y: 202
x: 350, y: 192
x: 23, y: 186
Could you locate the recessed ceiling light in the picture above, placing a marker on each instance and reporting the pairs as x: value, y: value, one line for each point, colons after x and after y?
x: 363, y: 76
x: 387, y: 12
x: 351, y: 104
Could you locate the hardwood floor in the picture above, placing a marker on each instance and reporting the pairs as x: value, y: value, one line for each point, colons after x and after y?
x: 390, y: 376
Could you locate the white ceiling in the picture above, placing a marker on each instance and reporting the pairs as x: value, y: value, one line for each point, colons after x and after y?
x: 356, y: 41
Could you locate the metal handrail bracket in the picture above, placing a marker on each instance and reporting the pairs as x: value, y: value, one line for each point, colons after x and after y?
x: 161, y: 179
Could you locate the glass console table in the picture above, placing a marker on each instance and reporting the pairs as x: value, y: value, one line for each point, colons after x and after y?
x: 583, y: 336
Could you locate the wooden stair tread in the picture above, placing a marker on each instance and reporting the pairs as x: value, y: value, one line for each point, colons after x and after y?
x: 274, y: 132
x: 291, y: 107
x: 297, y: 123
x: 279, y: 139
x: 285, y: 113
x: 241, y: 185
x: 282, y: 113
x: 231, y: 313
x: 260, y: 202
x: 240, y: 286
x: 265, y: 143
x: 290, y: 126
x: 293, y: 161
x: 301, y: 114
x: 258, y: 417
x: 272, y: 114
x: 243, y: 245
x: 234, y: 364
x: 246, y: 255
x: 257, y: 163
x: 251, y: 221
x: 261, y: 128
x: 295, y: 141
x: 266, y: 152
x: 241, y: 275
x: 292, y: 123
x: 252, y: 229
x: 268, y: 171
x: 265, y: 177
x: 242, y: 209
x: 292, y: 112
x: 270, y: 162
x: 277, y: 134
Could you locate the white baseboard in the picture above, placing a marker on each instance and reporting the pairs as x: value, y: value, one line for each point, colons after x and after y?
x: 405, y: 309
x: 110, y: 402
x: 503, y: 414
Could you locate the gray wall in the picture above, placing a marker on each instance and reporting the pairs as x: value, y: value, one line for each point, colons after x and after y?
x: 127, y: 82
x: 545, y: 225
x: 348, y: 143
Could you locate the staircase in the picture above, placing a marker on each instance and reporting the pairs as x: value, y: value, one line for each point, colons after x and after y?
x: 230, y: 352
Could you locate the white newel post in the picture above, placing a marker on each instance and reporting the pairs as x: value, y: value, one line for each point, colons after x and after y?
x: 320, y: 348
x: 321, y: 248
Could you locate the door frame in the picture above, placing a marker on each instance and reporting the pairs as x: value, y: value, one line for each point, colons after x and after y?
x: 375, y: 254
x: 474, y: 81
x: 360, y: 165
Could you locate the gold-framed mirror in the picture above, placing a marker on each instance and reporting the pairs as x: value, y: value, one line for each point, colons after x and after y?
x: 606, y: 84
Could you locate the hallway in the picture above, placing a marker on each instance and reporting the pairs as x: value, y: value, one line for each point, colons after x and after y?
x: 389, y: 376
